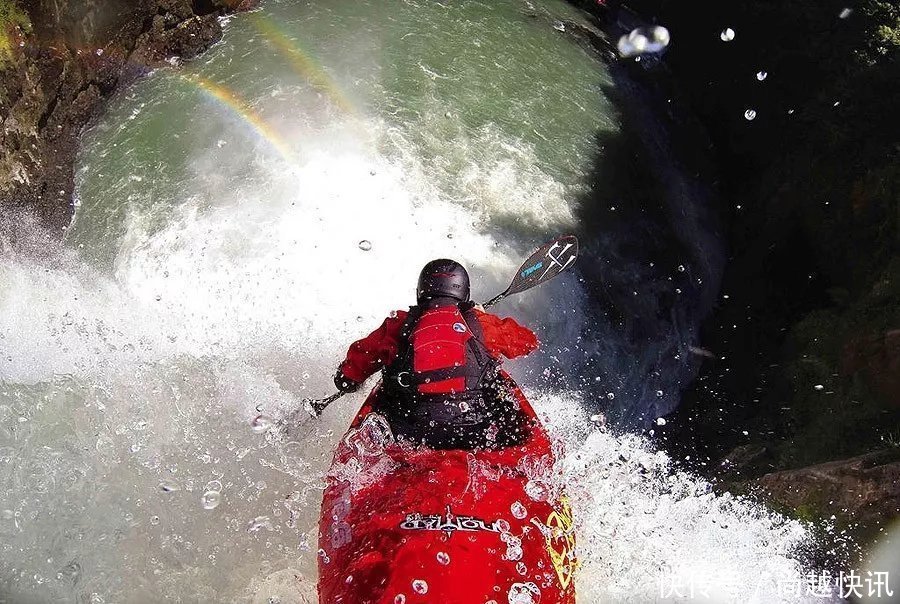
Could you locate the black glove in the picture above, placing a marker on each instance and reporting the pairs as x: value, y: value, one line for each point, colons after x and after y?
x: 345, y: 384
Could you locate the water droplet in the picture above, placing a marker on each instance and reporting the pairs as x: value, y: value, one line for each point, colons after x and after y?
x: 680, y: 268
x: 365, y: 245
x: 399, y: 599
x: 643, y: 40
x: 211, y: 500
x: 260, y: 424
x: 70, y: 572
x: 518, y: 510
x: 610, y: 395
x: 750, y: 115
x: 660, y: 421
x: 443, y: 558
x: 537, y: 490
x: 521, y: 568
x: 524, y: 593
x: 420, y: 587
x: 846, y: 13
x: 167, y: 485
x: 659, y: 393
x: 727, y: 35
x: 259, y: 523
x: 819, y: 387
x: 761, y: 75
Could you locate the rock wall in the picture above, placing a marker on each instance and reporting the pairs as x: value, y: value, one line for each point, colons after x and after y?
x: 64, y: 59
x: 801, y: 357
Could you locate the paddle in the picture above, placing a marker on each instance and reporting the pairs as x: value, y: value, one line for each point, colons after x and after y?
x: 545, y: 263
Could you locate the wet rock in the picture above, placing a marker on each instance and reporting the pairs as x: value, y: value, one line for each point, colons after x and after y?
x: 61, y: 68
x: 862, y: 491
x: 877, y: 359
x: 749, y: 459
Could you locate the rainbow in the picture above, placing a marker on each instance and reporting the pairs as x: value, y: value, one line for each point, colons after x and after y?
x: 241, y: 109
x: 302, y: 62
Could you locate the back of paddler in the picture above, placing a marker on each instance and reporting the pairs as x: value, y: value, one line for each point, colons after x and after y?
x: 440, y: 361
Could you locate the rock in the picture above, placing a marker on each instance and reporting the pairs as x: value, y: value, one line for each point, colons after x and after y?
x: 746, y: 459
x: 863, y: 490
x: 74, y: 57
x: 878, y: 360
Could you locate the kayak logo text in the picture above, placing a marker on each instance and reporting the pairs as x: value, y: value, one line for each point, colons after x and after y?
x: 450, y: 523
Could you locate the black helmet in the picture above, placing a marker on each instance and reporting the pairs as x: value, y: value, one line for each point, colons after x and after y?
x: 443, y: 278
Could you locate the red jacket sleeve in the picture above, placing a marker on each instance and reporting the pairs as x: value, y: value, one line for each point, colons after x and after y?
x: 379, y: 348
x: 505, y: 336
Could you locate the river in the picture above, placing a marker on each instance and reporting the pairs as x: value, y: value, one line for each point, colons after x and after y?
x: 241, y: 219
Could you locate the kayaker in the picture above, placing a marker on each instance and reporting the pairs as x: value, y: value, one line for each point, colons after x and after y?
x: 440, y: 361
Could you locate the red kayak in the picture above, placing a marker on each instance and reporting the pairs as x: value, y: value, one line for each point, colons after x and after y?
x: 409, y: 525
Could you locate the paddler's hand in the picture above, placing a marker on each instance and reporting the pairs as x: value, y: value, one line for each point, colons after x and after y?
x: 345, y: 384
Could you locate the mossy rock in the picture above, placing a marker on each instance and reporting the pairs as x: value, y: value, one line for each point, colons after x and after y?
x: 12, y: 19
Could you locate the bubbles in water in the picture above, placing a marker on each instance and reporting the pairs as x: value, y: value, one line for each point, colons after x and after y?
x: 727, y: 35
x: 365, y: 245
x: 659, y: 393
x: 524, y: 593
x: 761, y: 75
x: 261, y: 424
x: 420, y: 587
x: 680, y: 268
x: 443, y: 558
x: 660, y: 421
x: 518, y: 510
x: 211, y: 500
x: 750, y: 115
x: 154, y: 520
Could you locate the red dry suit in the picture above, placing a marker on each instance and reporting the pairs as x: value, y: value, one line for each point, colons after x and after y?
x: 502, y: 337
x: 440, y: 363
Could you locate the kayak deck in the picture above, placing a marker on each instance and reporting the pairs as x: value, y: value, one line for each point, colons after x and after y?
x: 407, y: 525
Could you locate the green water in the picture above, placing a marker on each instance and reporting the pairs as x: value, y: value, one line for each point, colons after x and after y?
x: 459, y: 87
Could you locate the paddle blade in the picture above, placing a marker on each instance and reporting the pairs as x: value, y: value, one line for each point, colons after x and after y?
x: 547, y: 262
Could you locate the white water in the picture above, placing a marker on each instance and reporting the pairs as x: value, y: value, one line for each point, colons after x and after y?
x: 116, y: 383
x: 127, y: 392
